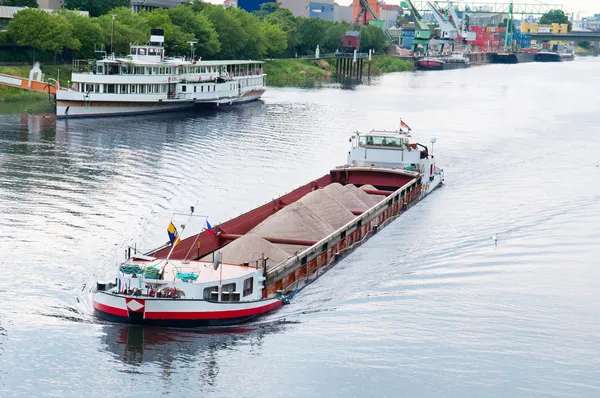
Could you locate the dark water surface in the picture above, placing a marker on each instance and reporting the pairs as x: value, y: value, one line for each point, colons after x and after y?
x: 428, y: 307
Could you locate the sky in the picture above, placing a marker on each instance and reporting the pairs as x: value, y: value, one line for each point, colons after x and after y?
x: 583, y: 7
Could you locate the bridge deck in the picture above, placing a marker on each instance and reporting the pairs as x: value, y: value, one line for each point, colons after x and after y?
x: 26, y: 84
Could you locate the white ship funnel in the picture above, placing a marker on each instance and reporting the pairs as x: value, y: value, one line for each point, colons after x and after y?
x: 157, y: 37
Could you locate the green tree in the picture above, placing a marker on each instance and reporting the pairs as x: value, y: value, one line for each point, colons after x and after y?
x: 230, y: 31
x: 334, y: 37
x: 129, y: 28
x: 555, y: 16
x: 96, y: 7
x: 311, y: 32
x: 42, y: 31
x: 275, y: 39
x: 20, y: 3
x: 197, y: 24
x: 88, y: 31
x: 176, y: 40
x: 284, y: 18
x: 254, y: 43
x: 372, y: 37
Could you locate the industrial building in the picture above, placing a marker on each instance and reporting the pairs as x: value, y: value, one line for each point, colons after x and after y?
x: 139, y: 5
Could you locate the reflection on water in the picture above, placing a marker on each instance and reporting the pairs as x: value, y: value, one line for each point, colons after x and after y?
x: 168, y: 348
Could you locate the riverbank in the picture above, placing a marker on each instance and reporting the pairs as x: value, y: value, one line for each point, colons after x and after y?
x: 62, y: 72
x: 586, y: 52
x: 310, y: 73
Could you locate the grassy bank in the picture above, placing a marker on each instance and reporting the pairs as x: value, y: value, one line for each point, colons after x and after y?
x: 585, y: 52
x: 308, y: 73
x: 17, y: 94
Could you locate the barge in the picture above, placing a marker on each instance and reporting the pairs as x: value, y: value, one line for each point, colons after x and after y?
x: 548, y: 56
x: 513, y: 57
x: 252, y: 264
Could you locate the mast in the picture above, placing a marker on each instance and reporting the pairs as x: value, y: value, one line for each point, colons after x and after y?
x: 112, y: 37
x: 509, y: 27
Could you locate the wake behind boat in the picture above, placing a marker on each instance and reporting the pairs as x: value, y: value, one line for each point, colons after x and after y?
x: 254, y: 263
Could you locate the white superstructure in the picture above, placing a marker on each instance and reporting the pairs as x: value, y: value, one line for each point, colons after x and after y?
x: 394, y: 149
x: 147, y: 81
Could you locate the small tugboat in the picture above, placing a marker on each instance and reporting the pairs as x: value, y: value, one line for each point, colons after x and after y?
x: 256, y: 262
x: 456, y: 60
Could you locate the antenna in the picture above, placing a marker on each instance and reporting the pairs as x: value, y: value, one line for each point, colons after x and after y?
x: 192, y: 49
x: 217, y: 260
x: 112, y: 37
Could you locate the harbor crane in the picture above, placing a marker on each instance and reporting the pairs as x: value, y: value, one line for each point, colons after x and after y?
x: 422, y: 30
x: 448, y: 31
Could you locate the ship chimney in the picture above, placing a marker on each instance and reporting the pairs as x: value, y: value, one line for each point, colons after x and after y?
x: 157, y: 37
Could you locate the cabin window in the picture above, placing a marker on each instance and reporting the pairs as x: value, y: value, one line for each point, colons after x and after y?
x: 343, y: 235
x: 226, y: 291
x: 207, y: 292
x: 195, y: 88
x: 248, y: 286
x: 324, y: 248
x: 132, y: 88
x: 183, y: 88
x: 124, y: 88
x: 303, y: 260
x: 201, y: 89
x: 109, y: 88
x: 142, y: 51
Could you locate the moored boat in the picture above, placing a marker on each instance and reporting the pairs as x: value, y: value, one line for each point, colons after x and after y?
x: 456, y: 60
x: 512, y: 57
x: 548, y: 56
x: 254, y: 263
x: 147, y: 81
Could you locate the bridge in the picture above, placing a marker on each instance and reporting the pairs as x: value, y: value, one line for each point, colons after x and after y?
x: 571, y: 36
x: 497, y: 8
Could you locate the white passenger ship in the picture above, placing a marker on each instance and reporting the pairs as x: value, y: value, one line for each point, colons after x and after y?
x: 146, y: 81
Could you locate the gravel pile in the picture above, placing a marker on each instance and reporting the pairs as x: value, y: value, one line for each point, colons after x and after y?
x: 312, y: 217
x: 370, y: 200
x: 379, y: 198
x: 328, y: 208
x: 295, y: 221
x: 248, y: 249
x: 345, y: 196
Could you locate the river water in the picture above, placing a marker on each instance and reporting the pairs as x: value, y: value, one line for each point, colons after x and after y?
x: 428, y: 307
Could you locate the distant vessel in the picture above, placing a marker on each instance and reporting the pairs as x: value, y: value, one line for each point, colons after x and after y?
x: 548, y: 56
x: 567, y: 56
x: 512, y: 57
x: 146, y: 81
x: 256, y: 262
x: 456, y: 60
